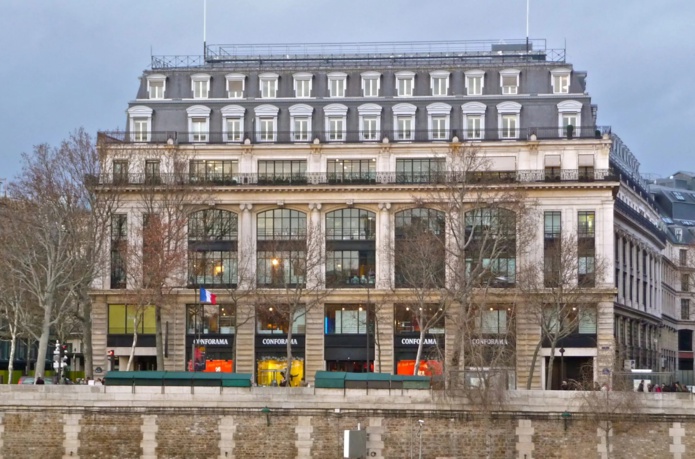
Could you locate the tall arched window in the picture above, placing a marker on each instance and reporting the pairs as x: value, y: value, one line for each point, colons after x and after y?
x: 491, y: 246
x: 419, y: 249
x: 350, y: 248
x: 212, y: 247
x: 281, y: 248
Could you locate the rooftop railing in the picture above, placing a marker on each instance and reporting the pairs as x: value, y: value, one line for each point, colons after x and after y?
x: 368, y: 178
x: 365, y: 136
x: 318, y: 55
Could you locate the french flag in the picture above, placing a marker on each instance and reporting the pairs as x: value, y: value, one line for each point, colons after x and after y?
x: 207, y: 297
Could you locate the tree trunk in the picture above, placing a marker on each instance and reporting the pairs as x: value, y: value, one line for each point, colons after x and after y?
x: 87, y: 350
x: 43, y: 340
x: 418, y: 356
x: 549, y: 376
x: 131, y: 358
x: 159, y: 338
x: 288, y: 370
x: 533, y: 364
x: 10, y: 364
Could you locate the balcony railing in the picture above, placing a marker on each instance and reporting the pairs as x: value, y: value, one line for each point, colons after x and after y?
x: 382, y: 178
x: 338, y: 137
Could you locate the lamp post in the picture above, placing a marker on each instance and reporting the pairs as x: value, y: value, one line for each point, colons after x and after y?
x: 562, y: 364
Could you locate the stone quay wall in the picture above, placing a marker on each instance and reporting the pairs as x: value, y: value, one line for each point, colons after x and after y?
x: 284, y: 423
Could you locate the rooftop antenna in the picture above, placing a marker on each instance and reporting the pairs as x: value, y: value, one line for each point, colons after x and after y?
x: 527, y: 22
x: 205, y: 17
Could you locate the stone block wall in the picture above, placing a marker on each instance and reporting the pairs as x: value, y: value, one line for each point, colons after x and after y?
x: 108, y: 422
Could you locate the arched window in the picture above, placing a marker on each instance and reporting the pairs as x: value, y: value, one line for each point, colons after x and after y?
x: 490, y: 237
x: 419, y: 249
x: 281, y: 248
x: 350, y: 248
x: 212, y: 247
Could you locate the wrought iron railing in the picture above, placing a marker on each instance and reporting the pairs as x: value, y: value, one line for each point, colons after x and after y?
x: 379, y: 136
x: 320, y: 55
x: 386, y: 178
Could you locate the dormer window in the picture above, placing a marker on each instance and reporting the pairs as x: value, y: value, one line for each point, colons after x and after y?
x: 473, y: 120
x: 336, y: 84
x: 560, y: 81
x: 302, y: 85
x: 569, y: 118
x: 235, y: 85
x: 508, y: 120
x: 156, y: 85
x: 370, y: 122
x: 200, y: 85
x: 233, y: 123
x: 198, y: 123
x: 269, y: 85
x: 475, y: 80
x: 370, y: 84
x: 140, y: 123
x: 405, y: 82
x: 439, y: 82
x: 266, y: 123
x: 509, y: 81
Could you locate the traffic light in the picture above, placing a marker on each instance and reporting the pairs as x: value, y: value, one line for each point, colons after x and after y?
x: 110, y: 355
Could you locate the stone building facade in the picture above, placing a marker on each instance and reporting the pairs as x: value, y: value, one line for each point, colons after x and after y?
x: 267, y: 142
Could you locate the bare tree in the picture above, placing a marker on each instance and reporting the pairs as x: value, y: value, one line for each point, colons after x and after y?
x: 557, y: 293
x: 46, y: 261
x: 12, y: 299
x: 488, y: 231
x: 290, y: 280
x: 419, y: 254
x: 157, y: 250
x: 611, y: 410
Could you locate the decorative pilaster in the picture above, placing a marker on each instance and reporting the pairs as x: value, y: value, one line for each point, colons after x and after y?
x: 303, y: 429
x: 316, y: 248
x: 71, y: 430
x: 383, y: 347
x: 246, y: 248
x: 149, y: 437
x: 384, y: 254
x: 227, y: 429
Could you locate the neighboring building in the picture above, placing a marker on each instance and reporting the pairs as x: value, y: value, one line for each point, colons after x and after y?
x: 676, y: 203
x: 351, y: 137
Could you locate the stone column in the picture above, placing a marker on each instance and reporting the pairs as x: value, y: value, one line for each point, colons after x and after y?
x: 316, y: 248
x: 605, y: 342
x: 383, y: 348
x: 384, y: 244
x: 245, y: 337
x: 621, y: 269
x: 246, y: 248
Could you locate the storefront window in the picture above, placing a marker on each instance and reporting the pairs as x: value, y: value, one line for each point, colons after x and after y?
x: 275, y: 319
x: 123, y: 319
x: 210, y: 319
x: 350, y: 248
x: 411, y: 318
x: 348, y: 319
x: 212, y: 243
x: 420, y: 248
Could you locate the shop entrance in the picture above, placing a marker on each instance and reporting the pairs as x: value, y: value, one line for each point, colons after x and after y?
x: 349, y: 366
x: 577, y: 371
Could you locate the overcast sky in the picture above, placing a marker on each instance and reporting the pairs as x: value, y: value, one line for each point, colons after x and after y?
x: 71, y: 63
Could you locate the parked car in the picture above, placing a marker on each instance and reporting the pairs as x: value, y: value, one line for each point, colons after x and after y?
x: 30, y: 380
